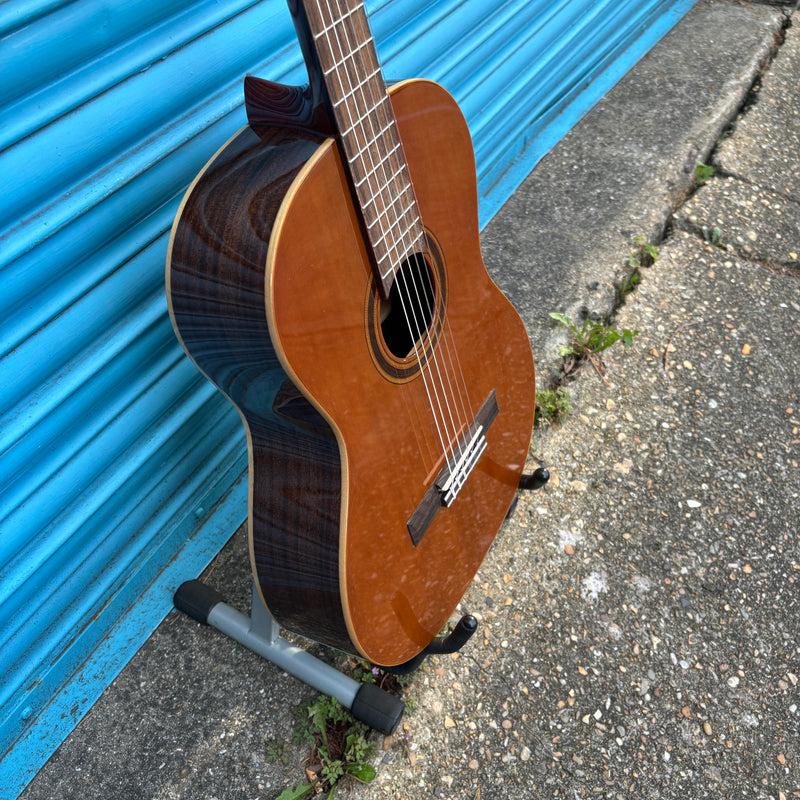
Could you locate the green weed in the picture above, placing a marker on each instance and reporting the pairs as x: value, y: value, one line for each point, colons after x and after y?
x: 339, y: 743
x: 643, y: 255
x: 552, y: 406
x: 277, y: 751
x: 703, y: 172
x: 339, y: 747
x: 646, y: 253
x: 591, y: 338
x: 712, y: 235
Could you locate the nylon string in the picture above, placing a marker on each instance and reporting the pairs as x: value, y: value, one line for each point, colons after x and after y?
x: 452, y: 407
x: 415, y: 327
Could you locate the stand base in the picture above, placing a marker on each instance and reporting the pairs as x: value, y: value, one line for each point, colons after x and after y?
x: 260, y: 633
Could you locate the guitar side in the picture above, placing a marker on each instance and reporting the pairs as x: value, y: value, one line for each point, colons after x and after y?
x: 216, y: 283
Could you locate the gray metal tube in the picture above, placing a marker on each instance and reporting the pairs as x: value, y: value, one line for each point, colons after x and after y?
x: 293, y: 660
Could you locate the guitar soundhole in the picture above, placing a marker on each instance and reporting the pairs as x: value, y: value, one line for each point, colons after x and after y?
x: 407, y: 315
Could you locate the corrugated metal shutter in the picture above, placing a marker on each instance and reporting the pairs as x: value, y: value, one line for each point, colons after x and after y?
x: 121, y: 470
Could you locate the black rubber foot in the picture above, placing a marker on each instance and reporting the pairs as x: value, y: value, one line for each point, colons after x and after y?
x: 196, y: 599
x: 534, y: 481
x: 376, y: 708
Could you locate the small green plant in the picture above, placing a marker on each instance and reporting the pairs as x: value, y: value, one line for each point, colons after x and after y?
x: 591, y: 338
x: 644, y: 255
x: 646, y: 252
x: 277, y: 751
x: 398, y: 685
x: 295, y: 792
x: 552, y: 406
x: 339, y: 747
x: 703, y: 172
x: 712, y: 235
x: 630, y: 281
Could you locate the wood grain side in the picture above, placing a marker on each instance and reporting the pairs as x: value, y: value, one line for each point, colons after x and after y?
x: 217, y: 283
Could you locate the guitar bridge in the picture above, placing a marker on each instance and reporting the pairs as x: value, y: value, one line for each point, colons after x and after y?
x: 451, y: 479
x: 451, y: 483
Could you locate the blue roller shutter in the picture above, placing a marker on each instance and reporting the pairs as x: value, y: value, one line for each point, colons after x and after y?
x: 121, y: 471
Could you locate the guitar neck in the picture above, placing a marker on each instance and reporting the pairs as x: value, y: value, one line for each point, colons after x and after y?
x: 341, y: 43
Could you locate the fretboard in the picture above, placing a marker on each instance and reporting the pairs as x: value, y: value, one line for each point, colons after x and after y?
x: 367, y: 130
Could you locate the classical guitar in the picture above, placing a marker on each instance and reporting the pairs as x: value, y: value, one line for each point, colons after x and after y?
x: 325, y: 272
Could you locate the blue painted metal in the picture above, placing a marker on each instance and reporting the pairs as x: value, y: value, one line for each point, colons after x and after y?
x: 121, y: 470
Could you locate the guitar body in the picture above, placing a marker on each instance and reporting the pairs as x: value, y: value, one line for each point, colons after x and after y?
x: 272, y: 294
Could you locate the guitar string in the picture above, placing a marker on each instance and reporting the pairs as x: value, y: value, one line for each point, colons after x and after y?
x: 371, y: 173
x: 418, y: 330
x: 447, y: 342
x: 455, y: 372
x: 446, y: 345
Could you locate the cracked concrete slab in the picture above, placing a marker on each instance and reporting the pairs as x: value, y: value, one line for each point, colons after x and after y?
x: 561, y: 242
x: 766, y: 140
x: 749, y: 219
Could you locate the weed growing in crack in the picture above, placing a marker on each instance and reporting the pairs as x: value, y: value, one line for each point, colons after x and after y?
x: 643, y: 255
x: 587, y: 342
x: 552, y: 406
x: 712, y: 235
x: 591, y: 338
x: 339, y: 748
x: 703, y: 172
x: 630, y: 282
x: 339, y: 744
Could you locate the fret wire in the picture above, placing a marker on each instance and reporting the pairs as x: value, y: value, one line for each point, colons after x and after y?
x: 399, y: 215
x: 399, y: 249
x: 348, y: 124
x: 377, y: 190
x: 371, y: 172
x: 359, y: 87
x: 404, y: 188
x: 372, y: 191
x: 358, y: 151
x: 350, y: 56
x: 379, y: 105
x: 346, y: 71
x: 407, y: 250
x: 380, y: 134
x: 341, y: 63
x: 345, y: 67
x: 358, y: 154
x: 334, y: 22
x: 398, y: 220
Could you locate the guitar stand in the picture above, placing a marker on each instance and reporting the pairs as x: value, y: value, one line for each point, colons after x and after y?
x: 529, y: 483
x: 535, y: 480
x: 260, y: 633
